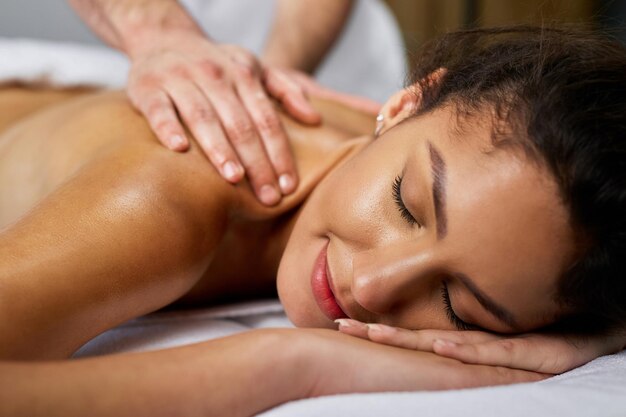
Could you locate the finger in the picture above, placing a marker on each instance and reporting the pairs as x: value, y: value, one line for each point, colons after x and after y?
x: 352, y: 327
x: 312, y: 88
x: 419, y: 339
x: 243, y: 136
x: 270, y: 129
x: 291, y: 95
x: 518, y: 353
x: 203, y: 122
x: 158, y: 110
x: 413, y: 339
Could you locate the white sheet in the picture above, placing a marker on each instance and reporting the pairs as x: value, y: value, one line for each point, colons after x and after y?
x: 596, y: 389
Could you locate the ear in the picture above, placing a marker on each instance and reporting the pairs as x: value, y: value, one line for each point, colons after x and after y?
x: 404, y: 103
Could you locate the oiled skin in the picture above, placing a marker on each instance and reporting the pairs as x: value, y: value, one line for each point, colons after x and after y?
x: 99, y: 223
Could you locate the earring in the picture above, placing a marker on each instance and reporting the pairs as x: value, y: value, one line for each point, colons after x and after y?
x: 379, y: 124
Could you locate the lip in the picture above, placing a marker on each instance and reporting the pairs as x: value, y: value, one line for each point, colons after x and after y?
x: 321, y: 284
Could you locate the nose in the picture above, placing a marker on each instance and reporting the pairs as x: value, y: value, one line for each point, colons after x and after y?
x: 384, y: 278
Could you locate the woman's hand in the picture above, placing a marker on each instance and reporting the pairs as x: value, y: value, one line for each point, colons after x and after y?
x: 335, y: 363
x: 544, y: 353
x: 218, y: 92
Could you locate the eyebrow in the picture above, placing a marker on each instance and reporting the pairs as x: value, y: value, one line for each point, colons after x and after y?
x: 499, y: 312
x: 438, y: 171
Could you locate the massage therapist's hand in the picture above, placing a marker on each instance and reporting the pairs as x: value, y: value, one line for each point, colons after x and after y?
x: 545, y: 353
x: 218, y: 92
x: 337, y: 363
x: 276, y: 77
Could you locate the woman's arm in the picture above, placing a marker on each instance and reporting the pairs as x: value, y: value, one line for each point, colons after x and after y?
x: 239, y: 375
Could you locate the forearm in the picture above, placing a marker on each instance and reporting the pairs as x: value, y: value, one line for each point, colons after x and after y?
x: 304, y: 31
x: 129, y: 24
x: 240, y: 375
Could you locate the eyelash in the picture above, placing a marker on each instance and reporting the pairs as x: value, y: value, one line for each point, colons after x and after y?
x: 454, y: 319
x: 404, y: 212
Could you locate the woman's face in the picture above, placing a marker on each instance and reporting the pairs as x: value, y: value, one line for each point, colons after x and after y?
x: 483, y: 229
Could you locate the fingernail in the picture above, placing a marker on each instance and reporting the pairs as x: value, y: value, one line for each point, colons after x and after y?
x: 343, y: 323
x: 231, y: 171
x: 440, y: 343
x: 176, y: 142
x: 286, y: 183
x: 269, y: 194
x: 380, y: 328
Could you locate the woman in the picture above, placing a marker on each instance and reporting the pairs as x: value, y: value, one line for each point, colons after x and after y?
x: 492, y: 198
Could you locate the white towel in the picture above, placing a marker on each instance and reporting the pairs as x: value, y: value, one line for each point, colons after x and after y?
x: 61, y: 64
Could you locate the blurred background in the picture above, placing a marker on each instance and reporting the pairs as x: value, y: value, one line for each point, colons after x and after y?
x: 418, y: 21
x: 421, y: 20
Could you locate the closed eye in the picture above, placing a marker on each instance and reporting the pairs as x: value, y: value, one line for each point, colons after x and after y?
x: 454, y: 319
x: 397, y: 197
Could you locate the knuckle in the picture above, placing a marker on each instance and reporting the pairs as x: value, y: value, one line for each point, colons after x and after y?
x: 243, y: 55
x: 165, y: 126
x: 199, y: 114
x: 547, y: 364
x: 147, y: 81
x: 247, y: 57
x: 269, y: 123
x: 211, y: 70
x: 216, y: 155
x: 215, y: 150
x: 245, y: 72
x: 385, y: 337
x: 180, y: 71
x: 241, y: 130
x: 502, y: 373
x: 506, y: 345
x: 154, y: 108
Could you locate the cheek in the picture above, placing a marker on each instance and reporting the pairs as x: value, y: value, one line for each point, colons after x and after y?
x: 347, y: 206
x: 355, y: 201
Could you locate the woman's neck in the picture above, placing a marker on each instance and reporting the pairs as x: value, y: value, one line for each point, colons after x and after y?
x: 247, y: 260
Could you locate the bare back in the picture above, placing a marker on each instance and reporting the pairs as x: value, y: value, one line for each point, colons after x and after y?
x: 95, y: 209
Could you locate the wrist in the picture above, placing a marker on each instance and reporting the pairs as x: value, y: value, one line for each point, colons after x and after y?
x: 149, y: 40
x: 142, y: 25
x: 290, y: 362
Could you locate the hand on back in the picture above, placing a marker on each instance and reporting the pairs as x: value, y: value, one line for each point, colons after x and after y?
x: 219, y: 93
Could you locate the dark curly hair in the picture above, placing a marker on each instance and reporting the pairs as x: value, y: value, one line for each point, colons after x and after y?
x: 562, y: 92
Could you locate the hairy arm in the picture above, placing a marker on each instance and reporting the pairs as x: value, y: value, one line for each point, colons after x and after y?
x: 126, y: 25
x: 178, y: 76
x: 304, y: 31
